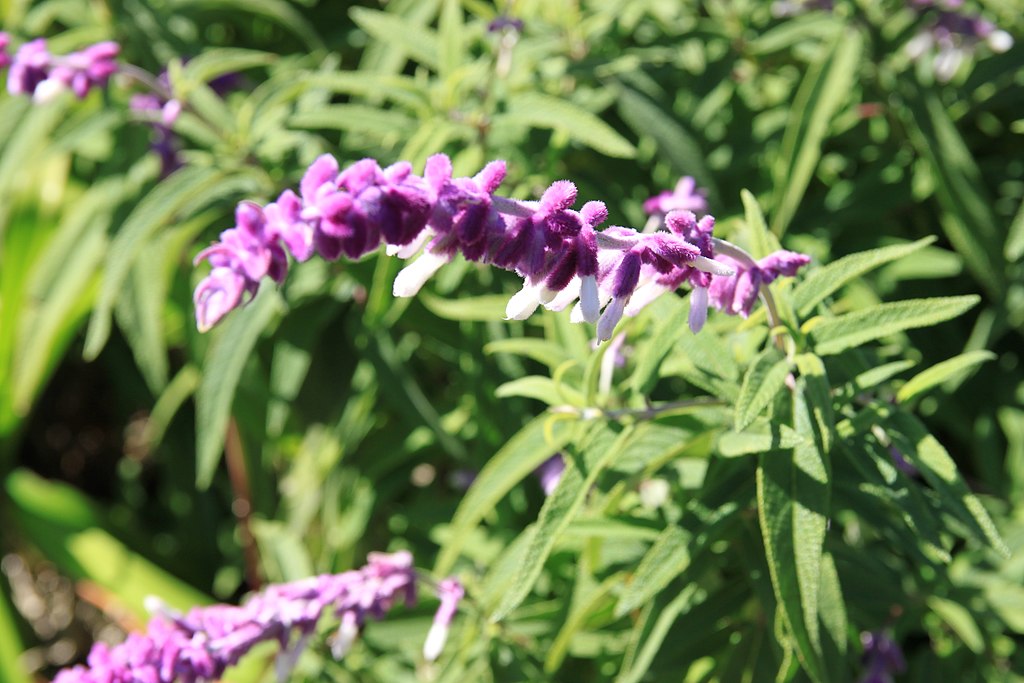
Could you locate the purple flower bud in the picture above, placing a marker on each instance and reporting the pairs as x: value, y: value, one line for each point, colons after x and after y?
x: 882, y: 658
x: 550, y: 472
x: 219, y: 293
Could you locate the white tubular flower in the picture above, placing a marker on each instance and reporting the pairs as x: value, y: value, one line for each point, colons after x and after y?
x: 698, y: 309
x: 590, y: 301
x: 610, y: 318
x: 411, y: 279
x: 523, y: 303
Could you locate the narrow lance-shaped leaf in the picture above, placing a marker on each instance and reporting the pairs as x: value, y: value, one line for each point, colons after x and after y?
x: 418, y: 41
x: 940, y: 373
x: 158, y: 207
x: 937, y: 467
x: 674, y: 142
x: 516, y: 460
x: 793, y: 491
x: 764, y: 379
x: 546, y: 111
x: 760, y: 436
x: 967, y: 217
x: 848, y: 331
x: 224, y: 364
x: 825, y: 88
x: 595, y: 454
x: 667, y: 557
x: 764, y: 241
x: 821, y: 282
x: 11, y: 645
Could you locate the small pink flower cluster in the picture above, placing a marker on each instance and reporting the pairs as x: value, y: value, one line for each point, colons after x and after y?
x: 36, y: 72
x: 201, y: 644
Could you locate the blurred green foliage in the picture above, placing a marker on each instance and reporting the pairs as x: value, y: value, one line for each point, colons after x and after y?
x: 328, y: 419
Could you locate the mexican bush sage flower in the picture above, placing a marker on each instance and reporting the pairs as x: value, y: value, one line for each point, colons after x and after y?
x: 202, y: 643
x: 556, y: 249
x: 36, y: 72
x: 736, y: 294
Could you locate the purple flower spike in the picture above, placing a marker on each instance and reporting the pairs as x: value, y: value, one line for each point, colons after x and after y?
x: 686, y: 196
x: 432, y: 218
x: 201, y: 644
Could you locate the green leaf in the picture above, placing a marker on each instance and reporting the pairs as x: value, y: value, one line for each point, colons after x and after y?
x: 582, y: 607
x: 278, y: 11
x: 831, y: 605
x: 813, y: 26
x: 356, y: 118
x: 826, y: 87
x: 940, y: 373
x: 967, y: 217
x: 820, y: 283
x: 793, y: 492
x: 479, y: 308
x: 418, y: 41
x: 158, y: 208
x: 522, y: 454
x: 224, y: 363
x: 451, y: 33
x: 11, y: 645
x: 546, y: 111
x: 869, y: 379
x: 540, y: 350
x: 937, y: 467
x: 818, y: 395
x: 674, y: 142
x: 581, y: 472
x: 400, y: 89
x: 65, y: 525
x: 667, y: 558
x: 215, y: 62
x: 651, y: 629
x: 764, y: 241
x: 178, y: 390
x: 851, y: 330
x: 763, y: 381
x: 1013, y: 249
x: 542, y: 389
x: 958, y: 618
x: 54, y: 312
x: 759, y: 437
